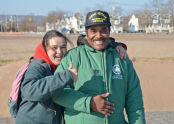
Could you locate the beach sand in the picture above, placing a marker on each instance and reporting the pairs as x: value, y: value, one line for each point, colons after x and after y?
x: 152, y: 56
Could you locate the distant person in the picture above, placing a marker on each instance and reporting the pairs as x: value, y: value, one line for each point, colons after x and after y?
x: 39, y: 83
x: 106, y: 84
x: 81, y: 40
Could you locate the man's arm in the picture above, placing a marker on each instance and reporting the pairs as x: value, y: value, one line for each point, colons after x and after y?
x: 79, y: 101
x: 72, y: 99
x: 76, y: 100
x: 69, y: 98
x: 134, y: 101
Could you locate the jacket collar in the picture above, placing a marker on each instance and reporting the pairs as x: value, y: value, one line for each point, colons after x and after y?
x: 93, y: 50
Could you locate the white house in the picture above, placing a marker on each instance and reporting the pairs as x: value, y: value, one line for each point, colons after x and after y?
x: 75, y: 24
x: 116, y: 25
x: 49, y: 26
x: 160, y: 23
x: 133, y: 25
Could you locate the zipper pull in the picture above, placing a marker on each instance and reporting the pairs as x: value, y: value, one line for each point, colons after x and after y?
x: 54, y: 112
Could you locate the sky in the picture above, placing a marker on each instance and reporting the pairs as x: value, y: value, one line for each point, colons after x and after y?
x: 44, y: 7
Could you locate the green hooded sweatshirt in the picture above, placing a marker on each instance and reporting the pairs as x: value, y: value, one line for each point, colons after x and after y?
x: 101, y: 72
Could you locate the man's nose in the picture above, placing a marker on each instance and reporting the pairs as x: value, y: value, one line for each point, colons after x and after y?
x: 98, y: 34
x: 58, y: 50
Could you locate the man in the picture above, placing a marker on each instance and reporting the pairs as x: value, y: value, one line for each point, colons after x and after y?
x: 100, y: 71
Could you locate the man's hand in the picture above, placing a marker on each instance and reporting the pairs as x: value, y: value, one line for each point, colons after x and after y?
x: 122, y: 51
x: 73, y: 72
x: 99, y: 104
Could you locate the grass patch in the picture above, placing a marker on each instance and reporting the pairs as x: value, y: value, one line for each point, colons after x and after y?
x: 134, y: 58
x: 15, y: 51
x: 6, y: 61
x: 160, y: 57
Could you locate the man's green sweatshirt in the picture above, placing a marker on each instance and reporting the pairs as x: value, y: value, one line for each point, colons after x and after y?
x: 101, y: 72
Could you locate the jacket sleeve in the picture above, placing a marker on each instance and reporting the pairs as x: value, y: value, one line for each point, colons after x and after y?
x: 73, y: 99
x: 134, y: 101
x: 70, y: 98
x: 114, y: 44
x: 39, y: 86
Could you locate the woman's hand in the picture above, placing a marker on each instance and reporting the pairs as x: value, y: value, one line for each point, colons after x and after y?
x: 122, y: 51
x: 73, y: 72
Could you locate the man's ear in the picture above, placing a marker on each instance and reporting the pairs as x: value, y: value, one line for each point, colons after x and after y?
x: 86, y: 31
x: 109, y: 30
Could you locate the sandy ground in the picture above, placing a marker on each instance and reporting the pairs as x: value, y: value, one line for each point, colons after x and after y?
x: 152, y: 55
x: 151, y: 118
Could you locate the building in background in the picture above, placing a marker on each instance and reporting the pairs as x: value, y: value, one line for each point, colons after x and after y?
x: 71, y: 24
x: 116, y: 27
x: 133, y: 25
x: 160, y: 24
x: 75, y: 25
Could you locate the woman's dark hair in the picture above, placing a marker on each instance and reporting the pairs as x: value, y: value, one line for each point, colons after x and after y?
x: 81, y: 40
x: 54, y: 33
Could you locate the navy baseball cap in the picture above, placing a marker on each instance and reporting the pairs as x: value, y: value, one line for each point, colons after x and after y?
x: 97, y: 17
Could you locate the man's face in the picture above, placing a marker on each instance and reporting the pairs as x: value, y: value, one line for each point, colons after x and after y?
x: 98, y: 36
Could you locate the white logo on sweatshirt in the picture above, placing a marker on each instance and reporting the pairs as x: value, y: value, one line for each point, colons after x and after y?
x: 117, y: 72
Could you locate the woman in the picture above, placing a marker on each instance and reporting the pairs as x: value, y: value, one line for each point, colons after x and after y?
x: 39, y: 84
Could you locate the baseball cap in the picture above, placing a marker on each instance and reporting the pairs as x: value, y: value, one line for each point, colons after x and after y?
x: 97, y: 17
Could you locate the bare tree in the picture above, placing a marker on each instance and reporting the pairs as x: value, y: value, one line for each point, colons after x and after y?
x: 28, y: 24
x: 43, y: 22
x: 61, y: 14
x: 125, y: 22
x: 170, y: 6
x: 53, y: 17
x: 154, y: 7
x: 116, y: 11
x: 144, y: 16
x: 157, y: 5
x: 77, y: 16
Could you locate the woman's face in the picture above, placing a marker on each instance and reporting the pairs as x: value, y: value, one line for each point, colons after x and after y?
x: 56, y: 49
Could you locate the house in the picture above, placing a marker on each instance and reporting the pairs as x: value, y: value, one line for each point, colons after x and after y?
x: 160, y: 24
x: 116, y: 25
x: 133, y: 25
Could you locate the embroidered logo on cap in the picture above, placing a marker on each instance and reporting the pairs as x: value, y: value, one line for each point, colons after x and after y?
x: 100, y: 17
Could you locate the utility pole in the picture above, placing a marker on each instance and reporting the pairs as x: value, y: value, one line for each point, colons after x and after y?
x: 5, y: 23
x: 1, y: 25
x: 11, y: 22
x: 17, y: 28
